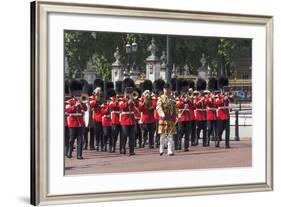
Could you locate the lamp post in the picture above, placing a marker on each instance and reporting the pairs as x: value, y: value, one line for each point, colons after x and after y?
x: 131, y: 50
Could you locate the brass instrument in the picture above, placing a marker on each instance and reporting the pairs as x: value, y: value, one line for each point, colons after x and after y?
x: 84, y: 98
x: 135, y: 94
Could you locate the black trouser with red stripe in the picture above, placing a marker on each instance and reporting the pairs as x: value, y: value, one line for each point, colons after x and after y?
x: 66, y: 139
x: 75, y: 133
x: 148, y: 131
x: 92, y: 138
x: 98, y: 135
x: 128, y: 131
x: 138, y: 135
x: 116, y: 131
x: 202, y: 125
x: 212, y: 129
x: 184, y: 129
x: 107, y: 137
x: 223, y: 125
x: 194, y: 140
x: 157, y: 135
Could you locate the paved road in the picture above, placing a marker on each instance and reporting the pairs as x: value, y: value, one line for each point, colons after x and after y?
x: 240, y: 155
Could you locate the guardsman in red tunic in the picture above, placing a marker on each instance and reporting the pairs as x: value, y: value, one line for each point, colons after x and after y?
x: 115, y: 115
x: 158, y: 90
x: 137, y: 113
x: 75, y: 110
x: 212, y: 109
x: 211, y: 115
x: 127, y: 117
x: 66, y: 131
x: 223, y: 116
x: 147, y: 107
x: 191, y: 96
x: 106, y: 120
x: 200, y: 111
x: 184, y: 104
x: 95, y: 104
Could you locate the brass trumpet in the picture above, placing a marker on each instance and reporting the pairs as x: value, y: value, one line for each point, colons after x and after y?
x: 84, y: 98
x: 135, y: 94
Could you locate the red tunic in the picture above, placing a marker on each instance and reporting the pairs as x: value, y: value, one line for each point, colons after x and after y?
x: 97, y: 110
x: 211, y: 108
x: 105, y: 112
x: 147, y: 112
x: 156, y: 115
x: 75, y: 116
x: 127, y: 115
x: 223, y: 108
x: 184, y: 106
x: 200, y: 111
x: 115, y: 111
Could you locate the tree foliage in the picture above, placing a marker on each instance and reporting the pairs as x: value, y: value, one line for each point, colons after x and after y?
x: 186, y: 51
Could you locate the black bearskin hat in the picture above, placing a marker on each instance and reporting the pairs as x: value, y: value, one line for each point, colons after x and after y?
x: 201, y: 84
x: 191, y: 84
x: 158, y: 85
x: 66, y: 87
x: 118, y: 87
x: 85, y: 86
x: 183, y: 84
x: 98, y: 83
x: 141, y: 87
x: 174, y: 84
x: 75, y: 87
x: 139, y: 92
x: 147, y: 85
x: 222, y: 82
x: 110, y: 93
x: 167, y: 86
x: 213, y: 84
x: 127, y: 82
x: 109, y: 85
x: 90, y: 89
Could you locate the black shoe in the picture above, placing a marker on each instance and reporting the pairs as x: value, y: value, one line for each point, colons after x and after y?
x: 69, y: 156
x: 161, y: 153
x: 227, y: 146
x: 217, y: 145
x: 98, y: 149
x: 186, y: 149
x: 132, y: 153
x: 172, y: 154
x: 80, y: 158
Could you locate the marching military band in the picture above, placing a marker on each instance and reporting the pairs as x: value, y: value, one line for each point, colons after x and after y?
x: 156, y: 115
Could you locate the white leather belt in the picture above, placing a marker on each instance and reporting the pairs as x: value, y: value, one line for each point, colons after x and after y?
x: 213, y: 109
x: 106, y: 116
x: 127, y: 112
x: 117, y: 112
x: 76, y: 114
x: 200, y: 109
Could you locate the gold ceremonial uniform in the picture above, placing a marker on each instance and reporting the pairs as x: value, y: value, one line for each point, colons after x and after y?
x: 167, y: 105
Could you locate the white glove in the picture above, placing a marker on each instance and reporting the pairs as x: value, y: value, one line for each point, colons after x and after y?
x: 225, y: 98
x: 162, y: 114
